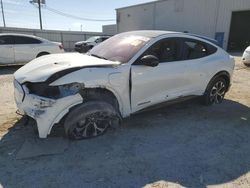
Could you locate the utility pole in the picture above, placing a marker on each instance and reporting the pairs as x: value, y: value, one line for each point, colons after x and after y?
x: 39, y: 3
x: 40, y: 15
x: 3, y: 14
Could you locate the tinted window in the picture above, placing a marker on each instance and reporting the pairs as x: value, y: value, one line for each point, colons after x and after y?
x: 194, y: 49
x: 26, y: 40
x: 104, y: 38
x: 98, y: 40
x: 166, y: 50
x: 5, y: 40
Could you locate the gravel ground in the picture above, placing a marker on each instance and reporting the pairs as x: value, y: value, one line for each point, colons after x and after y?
x: 185, y: 144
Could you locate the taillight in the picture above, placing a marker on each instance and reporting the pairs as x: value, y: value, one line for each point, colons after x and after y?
x: 61, y: 47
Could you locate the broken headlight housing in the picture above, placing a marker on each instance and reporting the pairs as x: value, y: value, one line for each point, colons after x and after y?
x: 54, y: 92
x: 70, y: 89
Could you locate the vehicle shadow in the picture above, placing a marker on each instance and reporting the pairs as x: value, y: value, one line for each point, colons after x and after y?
x: 187, y: 143
x: 5, y: 70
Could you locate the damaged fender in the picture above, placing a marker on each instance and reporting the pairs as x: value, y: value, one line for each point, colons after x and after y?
x: 48, y: 111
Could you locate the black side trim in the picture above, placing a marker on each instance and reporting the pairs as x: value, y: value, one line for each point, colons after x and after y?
x: 130, y: 88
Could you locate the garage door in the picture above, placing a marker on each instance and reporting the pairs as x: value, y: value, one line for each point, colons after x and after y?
x: 239, y: 37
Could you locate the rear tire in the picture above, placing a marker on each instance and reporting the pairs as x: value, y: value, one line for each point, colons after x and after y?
x: 215, y: 91
x: 90, y: 119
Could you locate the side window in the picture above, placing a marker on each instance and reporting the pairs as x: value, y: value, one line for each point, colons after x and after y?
x: 194, y: 49
x: 104, y: 38
x: 6, y: 40
x: 26, y: 40
x: 166, y: 50
x: 98, y: 40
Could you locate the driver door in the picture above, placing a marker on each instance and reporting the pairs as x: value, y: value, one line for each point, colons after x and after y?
x: 152, y: 85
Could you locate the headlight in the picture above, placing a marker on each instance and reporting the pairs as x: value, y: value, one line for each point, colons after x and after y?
x: 43, y: 90
x: 54, y: 92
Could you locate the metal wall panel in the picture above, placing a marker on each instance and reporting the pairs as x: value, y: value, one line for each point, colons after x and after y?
x: 225, y: 13
x: 203, y: 17
x: 135, y: 18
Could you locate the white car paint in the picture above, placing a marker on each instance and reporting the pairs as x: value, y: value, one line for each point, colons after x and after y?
x: 149, y: 85
x: 40, y: 69
x: 7, y: 55
x: 22, y: 53
x: 246, y: 56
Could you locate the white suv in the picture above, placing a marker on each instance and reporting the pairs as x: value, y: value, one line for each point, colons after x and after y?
x: 123, y: 75
x: 20, y: 48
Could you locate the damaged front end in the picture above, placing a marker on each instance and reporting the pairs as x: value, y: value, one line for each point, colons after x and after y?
x: 46, y: 104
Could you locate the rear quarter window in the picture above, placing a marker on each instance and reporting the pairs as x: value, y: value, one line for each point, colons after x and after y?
x: 195, y: 49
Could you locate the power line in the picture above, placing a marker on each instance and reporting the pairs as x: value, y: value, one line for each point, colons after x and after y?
x: 76, y: 17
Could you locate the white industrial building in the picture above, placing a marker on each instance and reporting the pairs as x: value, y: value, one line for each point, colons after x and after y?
x: 228, y: 21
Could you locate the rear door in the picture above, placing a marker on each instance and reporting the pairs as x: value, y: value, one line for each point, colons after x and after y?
x: 6, y: 50
x: 25, y: 48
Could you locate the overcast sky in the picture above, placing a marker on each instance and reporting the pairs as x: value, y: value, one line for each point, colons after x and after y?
x: 21, y: 13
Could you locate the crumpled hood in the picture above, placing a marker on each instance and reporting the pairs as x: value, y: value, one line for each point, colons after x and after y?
x: 40, y: 69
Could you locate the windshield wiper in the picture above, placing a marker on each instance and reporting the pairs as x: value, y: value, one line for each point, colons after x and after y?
x: 94, y: 55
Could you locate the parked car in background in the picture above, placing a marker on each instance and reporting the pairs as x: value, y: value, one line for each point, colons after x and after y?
x: 21, y: 48
x: 246, y: 56
x: 123, y: 75
x: 84, y: 46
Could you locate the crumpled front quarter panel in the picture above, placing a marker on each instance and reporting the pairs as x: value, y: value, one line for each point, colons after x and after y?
x: 113, y: 78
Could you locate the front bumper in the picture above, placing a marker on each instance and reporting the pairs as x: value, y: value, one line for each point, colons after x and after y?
x: 44, y: 110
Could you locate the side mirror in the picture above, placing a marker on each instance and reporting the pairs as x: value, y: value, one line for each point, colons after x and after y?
x: 149, y: 60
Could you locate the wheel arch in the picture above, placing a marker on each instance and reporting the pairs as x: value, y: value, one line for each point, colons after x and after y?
x: 42, y: 53
x: 102, y: 94
x: 91, y: 94
x: 223, y: 74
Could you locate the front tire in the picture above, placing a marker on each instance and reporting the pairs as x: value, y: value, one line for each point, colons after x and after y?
x: 247, y: 64
x: 90, y: 119
x: 215, y: 91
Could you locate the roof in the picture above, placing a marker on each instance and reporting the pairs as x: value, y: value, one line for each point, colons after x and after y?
x: 152, y: 2
x: 149, y: 33
x: 20, y: 34
x: 157, y: 33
